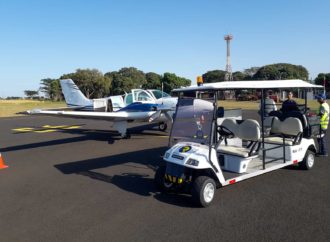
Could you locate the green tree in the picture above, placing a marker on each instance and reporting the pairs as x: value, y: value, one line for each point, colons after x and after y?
x: 55, y: 93
x: 153, y: 81
x: 251, y: 71
x: 45, y: 86
x: 172, y: 81
x: 31, y: 93
x: 281, y: 71
x: 214, y: 76
x: 125, y: 79
x: 323, y: 78
x: 240, y: 76
x: 91, y: 82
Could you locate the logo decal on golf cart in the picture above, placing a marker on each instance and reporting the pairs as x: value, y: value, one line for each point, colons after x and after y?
x: 185, y: 149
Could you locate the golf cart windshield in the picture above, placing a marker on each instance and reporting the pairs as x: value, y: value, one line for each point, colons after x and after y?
x: 193, y: 121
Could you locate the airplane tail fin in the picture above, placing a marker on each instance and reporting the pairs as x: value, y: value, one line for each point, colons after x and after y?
x: 73, y: 96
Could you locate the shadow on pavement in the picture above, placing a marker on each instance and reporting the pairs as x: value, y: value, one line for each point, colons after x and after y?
x: 85, y: 134
x: 139, y: 183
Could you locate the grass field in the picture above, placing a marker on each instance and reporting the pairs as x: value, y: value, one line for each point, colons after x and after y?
x: 254, y: 105
x: 9, y: 108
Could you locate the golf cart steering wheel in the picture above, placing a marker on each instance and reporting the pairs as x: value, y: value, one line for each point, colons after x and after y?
x: 225, y: 132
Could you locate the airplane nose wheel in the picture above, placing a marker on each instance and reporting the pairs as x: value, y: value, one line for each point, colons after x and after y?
x: 162, y: 126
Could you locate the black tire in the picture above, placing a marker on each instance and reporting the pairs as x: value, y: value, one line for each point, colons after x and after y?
x: 159, y: 180
x: 162, y: 126
x: 127, y: 136
x: 308, y: 161
x: 199, y: 194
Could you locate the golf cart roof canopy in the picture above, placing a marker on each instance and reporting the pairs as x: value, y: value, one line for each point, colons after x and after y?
x: 260, y: 84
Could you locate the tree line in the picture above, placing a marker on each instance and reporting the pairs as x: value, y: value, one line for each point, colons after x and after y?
x: 280, y: 71
x: 95, y: 84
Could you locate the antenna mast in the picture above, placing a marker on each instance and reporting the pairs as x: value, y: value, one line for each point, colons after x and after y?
x: 229, y: 74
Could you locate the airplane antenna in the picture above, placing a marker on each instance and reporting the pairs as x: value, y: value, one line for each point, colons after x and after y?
x: 162, y: 92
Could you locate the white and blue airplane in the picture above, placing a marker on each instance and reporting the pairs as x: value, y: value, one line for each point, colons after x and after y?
x: 142, y: 108
x: 75, y: 99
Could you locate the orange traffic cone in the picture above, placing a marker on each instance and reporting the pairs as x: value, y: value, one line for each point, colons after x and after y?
x: 2, y: 163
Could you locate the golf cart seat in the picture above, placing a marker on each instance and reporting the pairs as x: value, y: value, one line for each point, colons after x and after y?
x: 302, y: 118
x: 290, y: 129
x: 248, y: 130
x: 228, y: 129
x: 294, y: 114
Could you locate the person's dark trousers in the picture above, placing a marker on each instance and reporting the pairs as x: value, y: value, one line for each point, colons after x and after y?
x: 322, y: 143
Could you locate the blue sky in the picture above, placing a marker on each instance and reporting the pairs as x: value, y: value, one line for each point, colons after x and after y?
x: 40, y: 39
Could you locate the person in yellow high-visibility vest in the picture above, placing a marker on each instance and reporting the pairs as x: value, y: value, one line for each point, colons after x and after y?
x: 324, y: 121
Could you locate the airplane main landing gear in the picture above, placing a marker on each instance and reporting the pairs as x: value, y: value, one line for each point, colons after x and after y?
x: 162, y: 126
x: 127, y: 135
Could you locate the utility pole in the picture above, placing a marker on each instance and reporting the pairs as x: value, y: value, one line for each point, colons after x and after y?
x: 229, y: 74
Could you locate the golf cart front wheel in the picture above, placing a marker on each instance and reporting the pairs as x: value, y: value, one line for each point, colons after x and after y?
x: 203, y: 191
x: 160, y: 181
x: 308, y: 161
x: 162, y: 126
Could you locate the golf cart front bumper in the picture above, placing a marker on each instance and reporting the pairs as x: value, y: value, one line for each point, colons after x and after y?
x: 176, y: 174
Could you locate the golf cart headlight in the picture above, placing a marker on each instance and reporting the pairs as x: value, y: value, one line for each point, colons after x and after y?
x: 192, y: 162
x: 167, y: 154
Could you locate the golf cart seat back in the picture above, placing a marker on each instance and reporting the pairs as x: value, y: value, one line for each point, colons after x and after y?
x: 231, y: 125
x: 302, y: 118
x: 294, y: 114
x: 248, y: 130
x: 290, y: 129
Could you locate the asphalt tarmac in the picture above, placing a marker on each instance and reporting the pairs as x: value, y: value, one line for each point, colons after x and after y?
x: 75, y: 180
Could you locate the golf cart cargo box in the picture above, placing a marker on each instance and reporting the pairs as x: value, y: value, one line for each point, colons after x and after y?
x: 234, y: 163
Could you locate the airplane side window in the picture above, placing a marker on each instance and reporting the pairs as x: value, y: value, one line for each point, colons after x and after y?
x: 144, y: 97
x: 159, y: 94
x: 128, y: 99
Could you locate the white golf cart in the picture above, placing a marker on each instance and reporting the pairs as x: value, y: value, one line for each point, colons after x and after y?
x: 208, y: 149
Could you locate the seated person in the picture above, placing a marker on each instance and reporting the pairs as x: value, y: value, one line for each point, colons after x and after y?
x: 269, y: 106
x: 289, y: 104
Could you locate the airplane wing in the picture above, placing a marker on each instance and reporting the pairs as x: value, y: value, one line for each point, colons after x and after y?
x: 135, y: 112
x: 110, y: 116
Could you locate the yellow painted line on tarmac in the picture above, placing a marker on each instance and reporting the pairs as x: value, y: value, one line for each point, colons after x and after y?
x: 72, y: 127
x: 46, y: 128
x: 55, y: 127
x: 160, y: 136
x: 23, y: 129
x: 45, y: 131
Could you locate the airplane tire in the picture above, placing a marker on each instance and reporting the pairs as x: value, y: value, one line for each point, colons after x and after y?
x: 162, y: 126
x: 203, y: 191
x: 308, y: 161
x: 127, y: 136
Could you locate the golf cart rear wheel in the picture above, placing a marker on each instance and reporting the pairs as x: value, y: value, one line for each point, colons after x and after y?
x: 203, y: 191
x: 162, y: 126
x: 308, y: 161
x: 160, y: 181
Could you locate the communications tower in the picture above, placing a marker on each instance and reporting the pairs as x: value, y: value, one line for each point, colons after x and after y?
x: 229, y: 73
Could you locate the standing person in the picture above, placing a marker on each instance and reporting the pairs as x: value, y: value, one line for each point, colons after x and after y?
x: 289, y: 104
x: 324, y: 121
